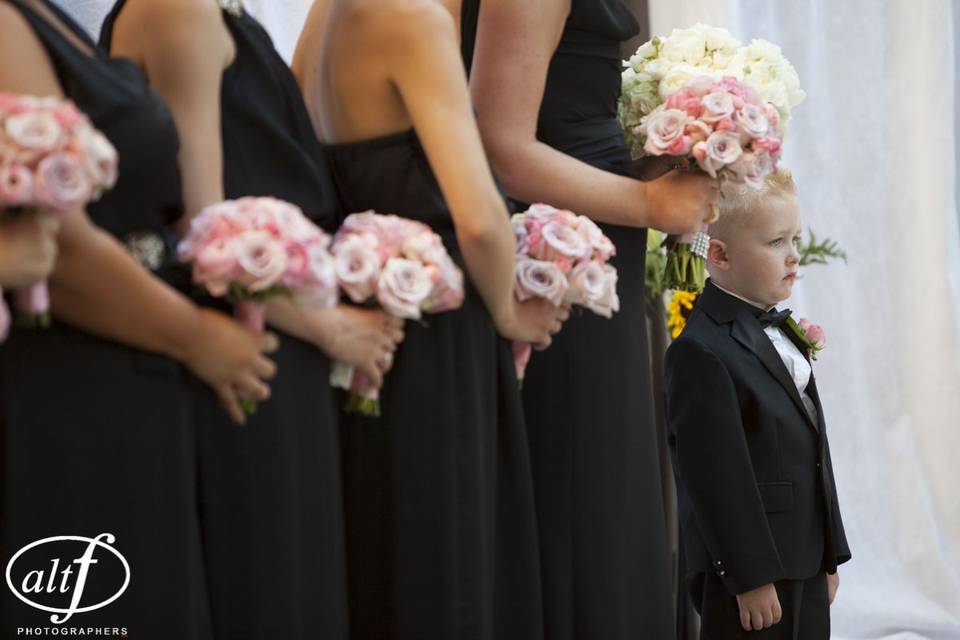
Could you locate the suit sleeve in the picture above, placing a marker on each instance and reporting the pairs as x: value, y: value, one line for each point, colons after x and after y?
x: 714, y: 467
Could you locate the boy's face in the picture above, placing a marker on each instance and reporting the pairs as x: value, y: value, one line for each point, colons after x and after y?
x: 761, y: 257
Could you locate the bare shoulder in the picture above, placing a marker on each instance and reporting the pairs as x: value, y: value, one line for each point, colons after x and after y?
x: 25, y: 66
x: 401, y: 24
x: 174, y: 14
x: 13, y: 25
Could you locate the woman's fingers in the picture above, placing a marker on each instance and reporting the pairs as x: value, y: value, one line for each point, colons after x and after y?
x: 228, y: 399
x: 250, y: 387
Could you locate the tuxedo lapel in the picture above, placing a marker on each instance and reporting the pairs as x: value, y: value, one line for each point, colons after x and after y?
x: 748, y: 332
x: 815, y: 396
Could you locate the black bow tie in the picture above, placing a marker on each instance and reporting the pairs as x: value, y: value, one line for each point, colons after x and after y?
x: 773, y: 318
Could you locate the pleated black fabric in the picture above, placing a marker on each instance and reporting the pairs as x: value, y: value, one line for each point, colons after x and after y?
x: 587, y: 399
x: 96, y: 437
x: 271, y: 498
x: 441, y: 537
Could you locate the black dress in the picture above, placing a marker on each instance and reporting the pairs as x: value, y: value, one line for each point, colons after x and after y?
x: 96, y: 437
x: 587, y: 399
x: 271, y: 498
x: 441, y: 537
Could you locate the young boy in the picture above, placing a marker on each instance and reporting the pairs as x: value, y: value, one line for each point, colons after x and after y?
x: 759, y: 517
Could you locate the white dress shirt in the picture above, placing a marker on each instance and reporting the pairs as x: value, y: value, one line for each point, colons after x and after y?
x: 797, y: 365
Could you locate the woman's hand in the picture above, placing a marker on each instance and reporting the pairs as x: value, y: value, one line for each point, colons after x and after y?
x: 533, y: 321
x: 681, y: 201
x: 232, y: 360
x: 363, y: 338
x: 28, y: 248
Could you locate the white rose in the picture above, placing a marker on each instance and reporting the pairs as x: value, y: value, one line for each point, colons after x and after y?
x: 684, y: 45
x: 676, y: 78
x: 717, y: 38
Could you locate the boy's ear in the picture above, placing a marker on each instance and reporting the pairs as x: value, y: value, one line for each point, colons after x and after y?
x: 717, y: 255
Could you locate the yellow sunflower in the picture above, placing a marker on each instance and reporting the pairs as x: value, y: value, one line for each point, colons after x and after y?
x: 678, y: 310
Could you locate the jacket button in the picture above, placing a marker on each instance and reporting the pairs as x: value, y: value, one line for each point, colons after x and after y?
x: 818, y: 465
x: 722, y: 573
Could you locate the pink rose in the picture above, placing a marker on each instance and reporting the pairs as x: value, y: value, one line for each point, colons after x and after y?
x: 814, y: 333
x: 727, y: 124
x: 16, y: 185
x: 587, y: 283
x: 12, y: 104
x: 262, y: 259
x: 564, y: 241
x: 321, y: 282
x: 609, y: 301
x: 4, y: 319
x: 540, y: 279
x: 603, y: 248
x: 731, y: 85
x: 38, y: 132
x: 426, y: 247
x: 69, y: 116
x: 520, y: 233
x: 100, y: 159
x: 720, y: 149
x: 403, y: 287
x: 216, y: 266
x: 662, y: 127
x: 753, y: 122
x: 697, y: 131
x: 448, y: 292
x: 773, y: 116
x: 61, y: 183
x: 541, y: 212
x: 771, y: 145
x: 521, y: 357
x: 357, y: 265
x: 700, y: 86
x: 717, y: 106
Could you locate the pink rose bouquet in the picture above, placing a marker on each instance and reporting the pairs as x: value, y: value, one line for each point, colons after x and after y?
x: 723, y: 127
x: 399, y: 265
x: 256, y: 248
x: 563, y: 258
x: 51, y: 158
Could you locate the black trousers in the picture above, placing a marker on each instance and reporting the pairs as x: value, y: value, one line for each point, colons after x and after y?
x: 806, y: 612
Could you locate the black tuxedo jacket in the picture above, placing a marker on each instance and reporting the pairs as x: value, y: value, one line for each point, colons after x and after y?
x: 757, y: 496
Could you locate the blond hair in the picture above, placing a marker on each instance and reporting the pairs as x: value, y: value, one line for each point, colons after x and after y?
x: 739, y: 202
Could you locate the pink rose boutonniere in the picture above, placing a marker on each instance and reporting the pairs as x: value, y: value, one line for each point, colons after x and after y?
x: 811, y: 334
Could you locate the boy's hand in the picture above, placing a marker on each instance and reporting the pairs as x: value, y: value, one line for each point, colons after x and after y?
x: 760, y: 608
x: 833, y: 583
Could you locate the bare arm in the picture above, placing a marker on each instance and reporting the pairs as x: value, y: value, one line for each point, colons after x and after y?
x: 431, y: 80
x: 130, y: 306
x: 515, y: 43
x: 184, y: 46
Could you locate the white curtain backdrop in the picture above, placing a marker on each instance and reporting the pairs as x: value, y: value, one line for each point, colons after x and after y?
x: 874, y: 151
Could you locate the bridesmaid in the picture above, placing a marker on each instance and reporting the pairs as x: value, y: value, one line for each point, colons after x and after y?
x: 545, y: 80
x: 271, y: 493
x: 441, y: 541
x: 96, y: 425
